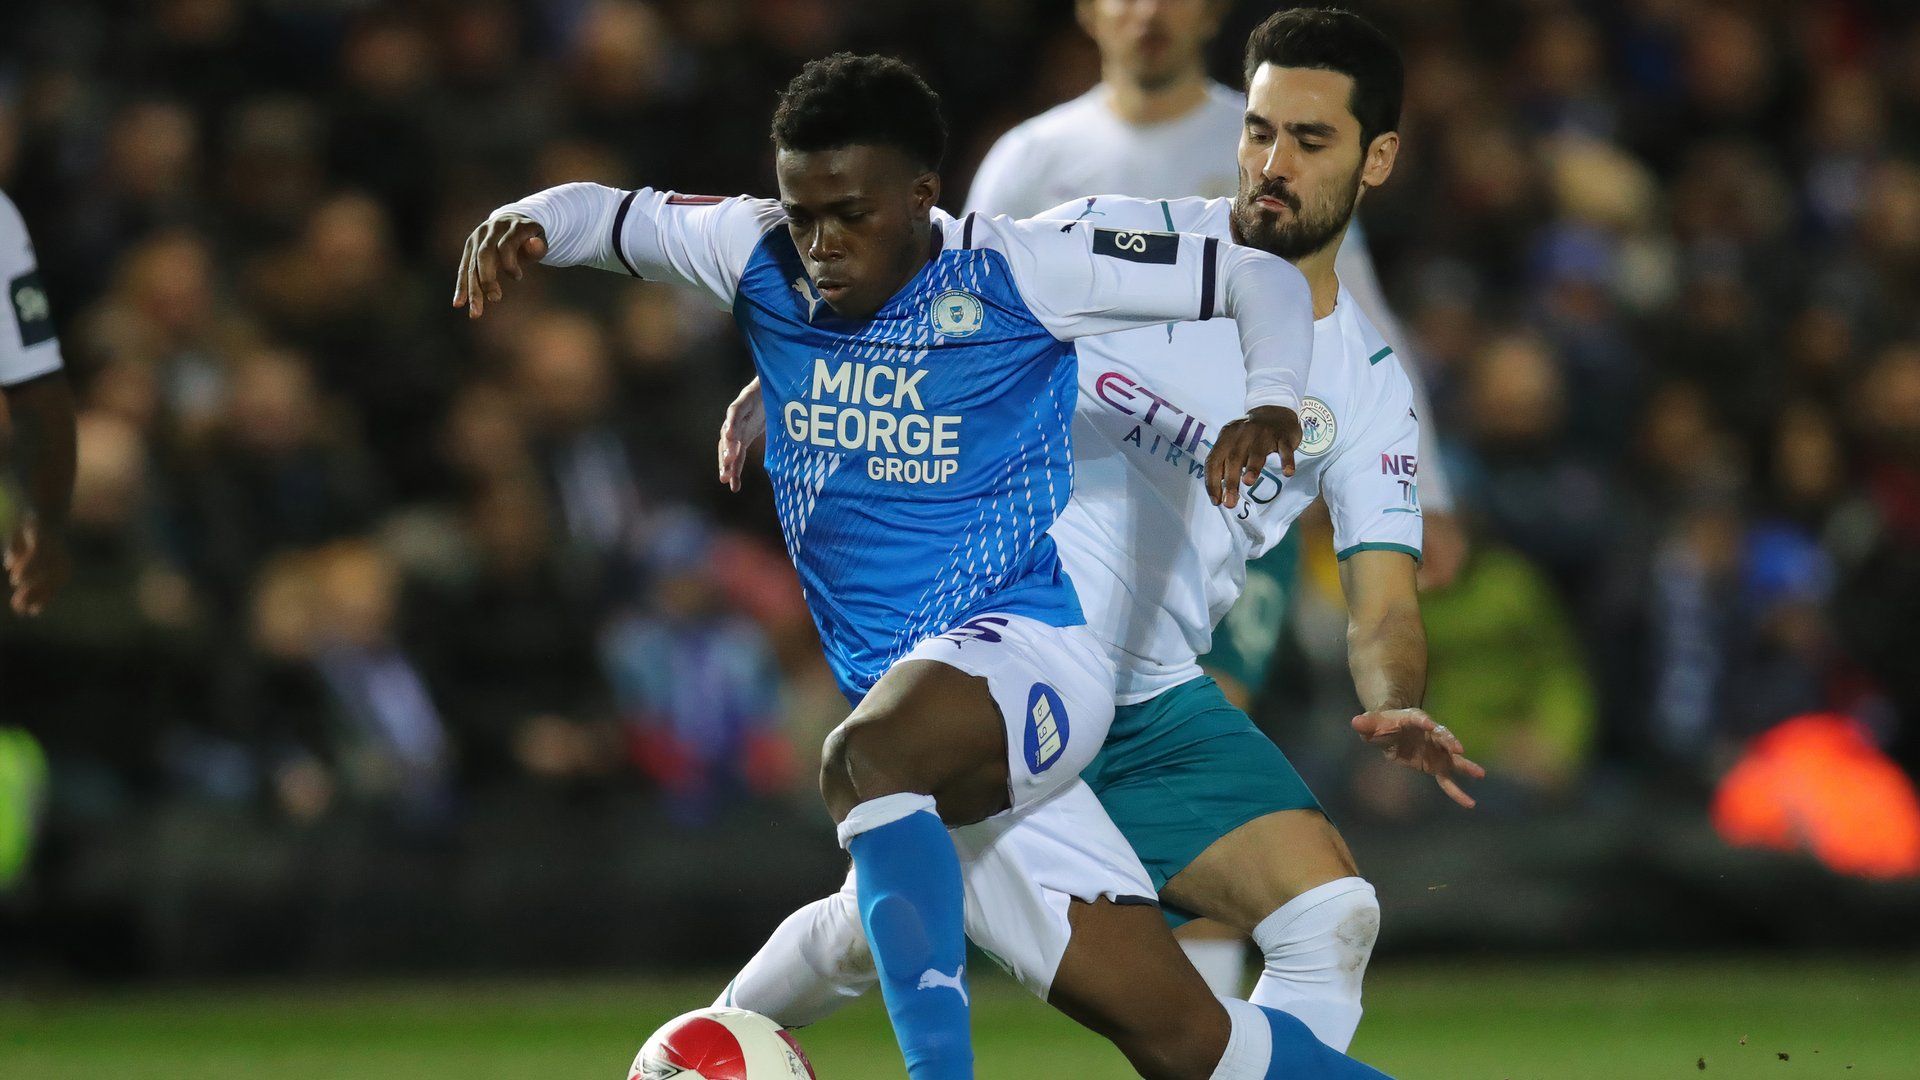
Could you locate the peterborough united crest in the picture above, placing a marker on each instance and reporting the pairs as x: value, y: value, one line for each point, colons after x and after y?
x: 957, y: 313
x: 1316, y: 428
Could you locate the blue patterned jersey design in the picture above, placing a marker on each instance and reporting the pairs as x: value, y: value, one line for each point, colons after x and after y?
x: 918, y: 458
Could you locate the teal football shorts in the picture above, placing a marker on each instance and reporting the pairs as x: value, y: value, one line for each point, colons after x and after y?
x: 1183, y: 769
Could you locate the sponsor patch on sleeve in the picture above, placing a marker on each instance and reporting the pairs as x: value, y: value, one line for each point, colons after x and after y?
x: 1140, y: 247
x: 31, y: 309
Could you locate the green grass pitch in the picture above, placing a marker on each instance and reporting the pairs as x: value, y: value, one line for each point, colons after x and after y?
x: 1537, y: 1020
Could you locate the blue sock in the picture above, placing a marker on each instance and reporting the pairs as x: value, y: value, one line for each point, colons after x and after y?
x: 1298, y: 1055
x: 914, y: 908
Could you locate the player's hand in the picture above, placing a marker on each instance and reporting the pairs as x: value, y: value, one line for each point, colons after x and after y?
x: 503, y: 245
x: 746, y: 422
x: 1241, y: 450
x: 1410, y: 737
x: 37, y: 565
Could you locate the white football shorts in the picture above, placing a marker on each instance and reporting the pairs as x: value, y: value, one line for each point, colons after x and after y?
x: 1054, y: 686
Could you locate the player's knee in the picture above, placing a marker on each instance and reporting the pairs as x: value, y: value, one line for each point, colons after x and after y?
x: 1355, y: 931
x: 836, y: 782
x: 1326, y: 935
x: 859, y: 762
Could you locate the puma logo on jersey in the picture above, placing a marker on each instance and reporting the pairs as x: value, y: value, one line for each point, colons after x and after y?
x: 805, y: 289
x: 933, y: 978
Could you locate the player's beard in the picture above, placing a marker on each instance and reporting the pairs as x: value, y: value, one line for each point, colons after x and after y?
x: 1308, y: 229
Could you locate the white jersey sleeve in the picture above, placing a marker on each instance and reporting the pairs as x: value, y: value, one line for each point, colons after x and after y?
x: 1372, y: 483
x: 700, y: 240
x: 1080, y: 280
x: 1354, y: 263
x: 28, y: 347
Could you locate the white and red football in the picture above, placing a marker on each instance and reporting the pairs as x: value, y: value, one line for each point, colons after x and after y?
x: 721, y: 1044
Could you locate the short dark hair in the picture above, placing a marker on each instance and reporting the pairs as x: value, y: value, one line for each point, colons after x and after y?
x: 847, y: 99
x: 1331, y: 39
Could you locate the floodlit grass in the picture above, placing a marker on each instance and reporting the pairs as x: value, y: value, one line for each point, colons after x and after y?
x: 1541, y: 1020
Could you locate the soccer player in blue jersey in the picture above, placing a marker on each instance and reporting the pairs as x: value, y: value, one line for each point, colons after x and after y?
x: 1222, y: 823
x: 921, y: 370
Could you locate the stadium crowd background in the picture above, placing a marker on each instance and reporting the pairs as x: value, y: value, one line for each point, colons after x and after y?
x: 354, y: 576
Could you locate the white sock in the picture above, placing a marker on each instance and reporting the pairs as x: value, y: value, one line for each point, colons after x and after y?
x: 816, y: 962
x: 1220, y: 961
x: 1315, y: 950
x: 1249, y: 1043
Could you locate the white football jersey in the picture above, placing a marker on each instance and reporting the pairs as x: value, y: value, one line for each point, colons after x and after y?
x: 1156, y: 564
x: 28, y: 348
x: 1082, y: 147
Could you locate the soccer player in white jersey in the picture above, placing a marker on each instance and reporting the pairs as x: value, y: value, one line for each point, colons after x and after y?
x: 39, y: 408
x: 1157, y: 127
x: 1222, y: 821
x: 922, y: 371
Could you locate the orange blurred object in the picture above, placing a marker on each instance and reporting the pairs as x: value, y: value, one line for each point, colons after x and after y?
x: 1817, y: 783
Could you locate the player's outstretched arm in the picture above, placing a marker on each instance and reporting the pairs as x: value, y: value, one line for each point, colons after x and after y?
x: 1387, y: 653
x: 699, y: 240
x: 745, y: 424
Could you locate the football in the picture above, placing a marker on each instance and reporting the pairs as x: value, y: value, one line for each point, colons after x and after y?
x: 721, y: 1044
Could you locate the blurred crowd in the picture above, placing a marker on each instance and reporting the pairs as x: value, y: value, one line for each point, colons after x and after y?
x: 337, y: 550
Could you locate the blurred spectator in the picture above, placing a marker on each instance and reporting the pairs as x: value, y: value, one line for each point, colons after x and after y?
x: 339, y: 292
x: 696, y: 687
x: 513, y: 638
x: 349, y: 713
x: 1505, y: 672
x: 277, y: 472
x: 564, y: 384
x: 1546, y: 498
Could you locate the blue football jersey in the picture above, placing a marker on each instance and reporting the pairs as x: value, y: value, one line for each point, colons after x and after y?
x: 916, y: 472
x: 918, y: 457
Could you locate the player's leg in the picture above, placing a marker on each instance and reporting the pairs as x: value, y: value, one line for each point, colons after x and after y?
x: 1124, y: 977
x: 910, y: 740
x: 968, y: 724
x: 815, y: 962
x: 1228, y: 831
x: 1288, y: 880
x: 1055, y: 893
x: 1218, y: 952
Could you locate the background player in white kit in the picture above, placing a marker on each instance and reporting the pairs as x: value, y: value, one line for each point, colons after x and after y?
x: 1222, y: 821
x: 39, y: 409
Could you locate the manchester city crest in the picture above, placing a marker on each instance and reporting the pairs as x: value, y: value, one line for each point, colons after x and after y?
x: 957, y: 313
x: 1316, y: 428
